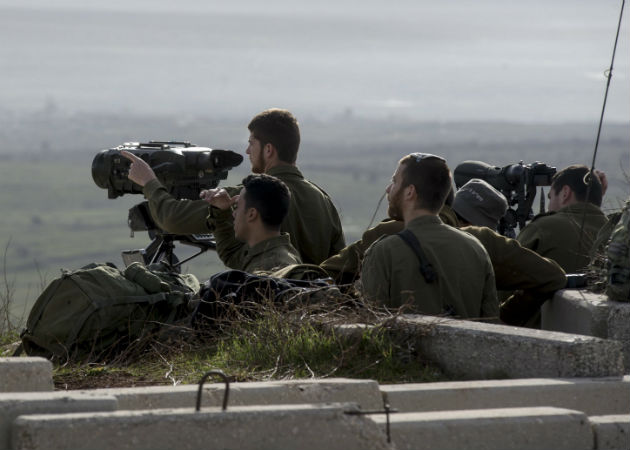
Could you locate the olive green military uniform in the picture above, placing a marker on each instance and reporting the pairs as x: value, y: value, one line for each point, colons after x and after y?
x: 345, y: 266
x: 313, y: 223
x: 556, y: 235
x: 465, y: 283
x: 516, y: 268
x: 271, y: 254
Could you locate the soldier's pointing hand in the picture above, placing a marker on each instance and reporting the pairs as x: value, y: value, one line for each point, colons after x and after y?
x: 139, y: 171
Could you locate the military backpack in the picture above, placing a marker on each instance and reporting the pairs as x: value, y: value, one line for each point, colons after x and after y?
x: 93, y: 312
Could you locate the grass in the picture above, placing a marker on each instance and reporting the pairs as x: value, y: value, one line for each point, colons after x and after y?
x: 272, y: 343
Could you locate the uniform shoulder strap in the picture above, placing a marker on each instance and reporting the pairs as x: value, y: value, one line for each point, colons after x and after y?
x: 426, y: 269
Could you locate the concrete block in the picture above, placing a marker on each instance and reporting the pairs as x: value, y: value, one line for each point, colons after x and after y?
x: 611, y: 432
x: 619, y: 329
x: 13, y: 405
x: 25, y: 374
x: 476, y: 350
x: 576, y: 311
x: 365, y: 393
x: 583, y: 312
x: 492, y: 429
x: 244, y: 427
x: 592, y: 396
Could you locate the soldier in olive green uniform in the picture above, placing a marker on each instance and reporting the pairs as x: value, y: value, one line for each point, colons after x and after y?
x: 249, y: 239
x: 312, y: 223
x: 558, y: 234
x: 464, y: 285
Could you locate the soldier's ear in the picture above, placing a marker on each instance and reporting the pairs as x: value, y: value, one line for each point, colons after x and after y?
x: 410, y: 192
x: 566, y: 195
x: 251, y: 214
x: 269, y: 150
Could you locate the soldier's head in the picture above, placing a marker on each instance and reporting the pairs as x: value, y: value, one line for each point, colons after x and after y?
x: 421, y: 182
x: 478, y: 203
x: 261, y: 207
x: 274, y: 136
x: 570, y: 186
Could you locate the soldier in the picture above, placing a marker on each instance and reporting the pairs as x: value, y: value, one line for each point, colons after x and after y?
x: 313, y: 222
x: 249, y: 239
x: 457, y: 277
x: 558, y: 234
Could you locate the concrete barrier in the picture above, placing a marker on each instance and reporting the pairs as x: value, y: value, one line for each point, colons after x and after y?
x: 475, y: 350
x: 244, y: 427
x: 366, y: 393
x: 492, y: 429
x: 593, y: 396
x: 611, y: 432
x: 583, y: 312
x: 25, y: 374
x: 13, y: 405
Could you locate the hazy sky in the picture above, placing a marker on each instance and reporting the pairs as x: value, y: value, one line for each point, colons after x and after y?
x: 539, y: 60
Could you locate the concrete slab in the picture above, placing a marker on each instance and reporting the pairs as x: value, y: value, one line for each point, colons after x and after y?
x: 593, y: 396
x: 13, y: 405
x: 25, y: 374
x: 583, y: 312
x: 492, y: 429
x: 475, y: 350
x: 611, y: 432
x: 302, y: 427
x: 365, y: 393
x: 619, y: 329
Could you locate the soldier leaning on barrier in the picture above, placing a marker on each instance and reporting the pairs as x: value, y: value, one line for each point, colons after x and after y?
x: 451, y: 274
x: 313, y: 222
x: 477, y: 208
x: 557, y: 234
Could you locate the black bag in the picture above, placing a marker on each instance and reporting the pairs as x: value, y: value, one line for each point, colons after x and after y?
x: 234, y: 289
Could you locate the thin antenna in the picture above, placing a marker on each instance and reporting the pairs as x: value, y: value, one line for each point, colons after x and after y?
x: 608, y: 74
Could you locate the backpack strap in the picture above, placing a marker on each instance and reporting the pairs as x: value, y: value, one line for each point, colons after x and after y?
x: 426, y: 269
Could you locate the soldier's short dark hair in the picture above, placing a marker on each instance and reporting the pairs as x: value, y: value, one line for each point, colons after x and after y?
x: 431, y: 178
x: 279, y: 128
x: 577, y: 177
x: 269, y: 196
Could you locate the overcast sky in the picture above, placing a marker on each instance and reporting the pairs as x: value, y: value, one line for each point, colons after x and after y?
x: 540, y: 60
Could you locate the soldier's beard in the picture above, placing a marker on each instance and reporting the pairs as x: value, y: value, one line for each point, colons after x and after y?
x: 393, y: 210
x: 258, y: 164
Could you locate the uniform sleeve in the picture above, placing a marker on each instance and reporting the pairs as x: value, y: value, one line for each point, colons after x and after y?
x: 490, y: 302
x: 173, y: 215
x: 376, y: 274
x: 530, y: 237
x: 346, y: 265
x: 230, y: 250
x: 521, y: 268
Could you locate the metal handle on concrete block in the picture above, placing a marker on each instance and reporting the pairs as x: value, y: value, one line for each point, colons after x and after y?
x: 386, y: 410
x: 227, y: 387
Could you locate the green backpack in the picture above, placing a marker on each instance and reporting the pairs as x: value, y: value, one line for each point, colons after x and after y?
x: 618, y: 253
x: 96, y: 311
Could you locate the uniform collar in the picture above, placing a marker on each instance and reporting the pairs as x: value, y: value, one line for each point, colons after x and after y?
x: 423, y: 220
x: 581, y: 207
x: 284, y: 169
x: 269, y: 244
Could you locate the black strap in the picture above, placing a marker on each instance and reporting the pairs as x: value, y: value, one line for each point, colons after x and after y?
x: 426, y: 269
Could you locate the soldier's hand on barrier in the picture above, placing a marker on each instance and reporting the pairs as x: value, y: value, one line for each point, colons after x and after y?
x: 139, y: 171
